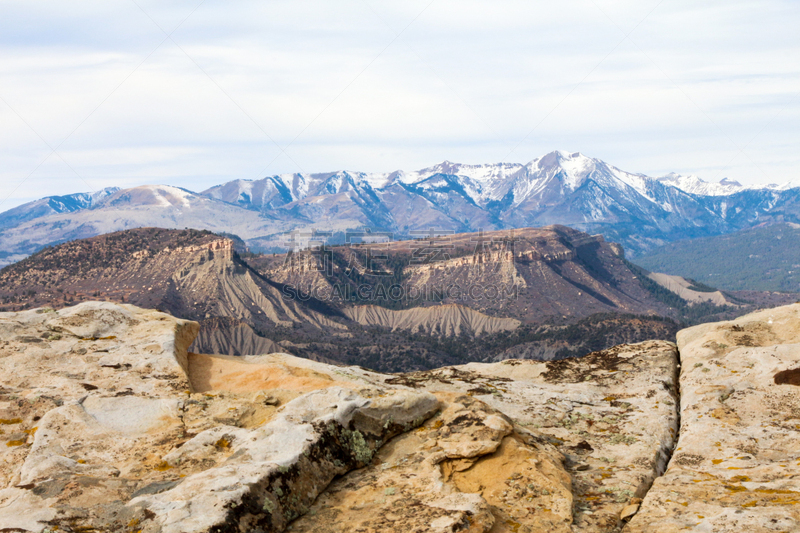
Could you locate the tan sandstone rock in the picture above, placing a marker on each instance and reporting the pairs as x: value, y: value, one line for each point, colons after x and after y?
x: 105, y: 426
x: 737, y: 463
x: 108, y: 424
x: 467, y: 469
x: 612, y: 414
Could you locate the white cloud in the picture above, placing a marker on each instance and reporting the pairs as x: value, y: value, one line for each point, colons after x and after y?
x: 707, y: 88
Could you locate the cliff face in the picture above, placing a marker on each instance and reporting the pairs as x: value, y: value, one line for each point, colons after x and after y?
x: 191, y: 274
x: 536, y: 276
x: 530, y: 274
x: 109, y: 423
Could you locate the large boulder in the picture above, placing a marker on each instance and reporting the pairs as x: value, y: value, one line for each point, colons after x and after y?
x: 613, y: 415
x: 467, y: 469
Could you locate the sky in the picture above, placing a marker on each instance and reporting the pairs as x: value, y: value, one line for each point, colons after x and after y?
x: 194, y: 93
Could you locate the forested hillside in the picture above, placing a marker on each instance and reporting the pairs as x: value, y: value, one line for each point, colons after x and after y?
x: 766, y: 258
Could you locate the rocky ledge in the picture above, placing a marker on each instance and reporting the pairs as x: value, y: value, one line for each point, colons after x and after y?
x: 108, y: 423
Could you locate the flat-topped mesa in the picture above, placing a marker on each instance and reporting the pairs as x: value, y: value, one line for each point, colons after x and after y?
x: 539, y: 273
x: 736, y: 465
x: 192, y: 274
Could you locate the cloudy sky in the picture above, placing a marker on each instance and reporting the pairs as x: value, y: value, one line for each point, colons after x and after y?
x: 193, y: 93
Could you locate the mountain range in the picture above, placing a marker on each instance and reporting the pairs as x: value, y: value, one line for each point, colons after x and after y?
x: 572, y: 189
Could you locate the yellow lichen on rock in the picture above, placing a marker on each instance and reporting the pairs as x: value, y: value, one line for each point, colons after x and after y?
x: 109, y: 424
x: 735, y: 466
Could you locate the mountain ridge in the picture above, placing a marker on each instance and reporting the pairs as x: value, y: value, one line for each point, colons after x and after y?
x: 546, y: 293
x: 256, y: 303
x: 572, y: 189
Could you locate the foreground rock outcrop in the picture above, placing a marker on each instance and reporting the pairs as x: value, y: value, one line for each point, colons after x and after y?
x: 108, y: 423
x: 103, y: 431
x: 467, y: 469
x: 612, y: 414
x: 737, y: 463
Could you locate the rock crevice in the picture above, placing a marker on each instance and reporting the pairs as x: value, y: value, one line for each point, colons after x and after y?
x: 735, y: 467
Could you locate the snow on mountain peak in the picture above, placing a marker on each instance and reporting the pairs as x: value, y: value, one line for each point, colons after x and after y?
x: 694, y: 185
x: 151, y: 195
x: 554, y: 174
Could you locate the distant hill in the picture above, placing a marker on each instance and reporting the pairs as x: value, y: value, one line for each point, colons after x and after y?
x: 543, y: 293
x: 53, y: 205
x: 766, y: 258
x: 191, y: 274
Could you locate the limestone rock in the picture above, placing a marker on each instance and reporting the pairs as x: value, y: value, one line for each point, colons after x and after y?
x: 736, y: 466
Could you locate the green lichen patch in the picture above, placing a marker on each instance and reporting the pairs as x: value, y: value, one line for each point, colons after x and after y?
x: 358, y: 446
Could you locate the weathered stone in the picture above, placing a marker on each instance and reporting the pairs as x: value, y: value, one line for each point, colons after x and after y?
x: 736, y: 466
x: 629, y: 510
x: 100, y: 421
x: 427, y: 480
x: 613, y: 415
x: 130, y: 357
x: 268, y: 476
x: 107, y: 423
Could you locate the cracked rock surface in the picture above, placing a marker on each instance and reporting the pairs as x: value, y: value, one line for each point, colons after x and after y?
x: 611, y: 414
x: 108, y: 423
x: 103, y: 430
x: 467, y: 469
x: 737, y: 463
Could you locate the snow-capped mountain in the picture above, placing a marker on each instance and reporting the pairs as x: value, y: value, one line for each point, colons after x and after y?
x: 52, y: 205
x: 558, y: 188
x: 694, y: 185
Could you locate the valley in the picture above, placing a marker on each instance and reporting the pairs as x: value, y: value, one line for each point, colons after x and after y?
x: 764, y: 258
